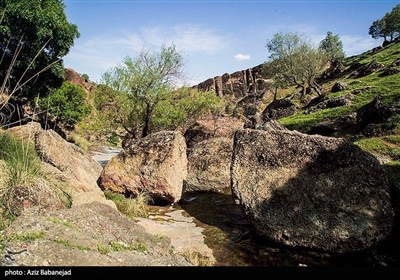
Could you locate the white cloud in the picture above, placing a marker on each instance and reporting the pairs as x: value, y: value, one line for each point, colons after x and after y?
x: 186, y: 37
x: 355, y: 44
x: 242, y: 57
x: 96, y: 55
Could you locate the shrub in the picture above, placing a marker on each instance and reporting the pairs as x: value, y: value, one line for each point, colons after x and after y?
x: 66, y: 104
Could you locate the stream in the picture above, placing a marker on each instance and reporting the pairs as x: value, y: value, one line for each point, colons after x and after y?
x: 213, y: 225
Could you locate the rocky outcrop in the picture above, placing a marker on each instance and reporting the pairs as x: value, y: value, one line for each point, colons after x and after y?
x: 87, y: 235
x: 70, y: 75
x: 326, y: 102
x: 311, y: 191
x: 209, y: 164
x: 278, y: 109
x: 155, y: 165
x: 339, y: 126
x: 390, y: 71
x: 375, y: 117
x: 339, y: 86
x: 237, y: 84
x: 68, y: 158
x: 367, y: 69
x: 208, y: 128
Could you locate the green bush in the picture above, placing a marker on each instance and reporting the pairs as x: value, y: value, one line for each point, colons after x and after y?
x: 66, y: 104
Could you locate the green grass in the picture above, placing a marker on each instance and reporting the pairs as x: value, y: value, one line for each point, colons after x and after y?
x: 78, y: 140
x: 304, y: 123
x: 394, y: 139
x: 386, y: 56
x: 21, y: 159
x: 379, y: 146
x: 131, y: 207
x: 68, y: 244
x: 21, y: 168
x: 118, y: 246
x: 26, y: 237
x: 103, y: 249
x: 63, y: 222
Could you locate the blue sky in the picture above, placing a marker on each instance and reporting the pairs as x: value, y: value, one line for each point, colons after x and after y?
x: 215, y: 37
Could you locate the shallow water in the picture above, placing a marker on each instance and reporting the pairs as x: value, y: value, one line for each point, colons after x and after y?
x: 235, y: 243
x: 103, y: 154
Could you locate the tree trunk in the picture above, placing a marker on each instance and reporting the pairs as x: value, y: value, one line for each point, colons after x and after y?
x: 317, y: 89
x: 303, y: 90
x: 147, y: 119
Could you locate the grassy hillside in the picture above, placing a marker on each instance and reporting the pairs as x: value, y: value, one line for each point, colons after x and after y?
x: 385, y: 147
x: 375, y: 84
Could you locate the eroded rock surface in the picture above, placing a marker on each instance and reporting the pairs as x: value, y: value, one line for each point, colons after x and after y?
x: 155, y: 165
x: 87, y: 235
x: 311, y: 191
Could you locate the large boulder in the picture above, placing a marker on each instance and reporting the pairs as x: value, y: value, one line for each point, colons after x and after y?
x: 277, y: 109
x: 325, y: 103
x: 311, y: 191
x: 76, y: 166
x: 340, y: 126
x: 93, y: 234
x: 68, y: 158
x: 209, y: 164
x: 26, y: 132
x: 66, y: 168
x: 339, y: 86
x: 209, y: 127
x: 155, y: 165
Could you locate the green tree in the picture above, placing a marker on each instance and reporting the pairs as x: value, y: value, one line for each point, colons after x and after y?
x: 117, y: 110
x: 147, y: 79
x: 393, y: 21
x: 86, y: 77
x: 388, y: 26
x: 184, y: 106
x: 376, y: 29
x: 294, y: 61
x: 333, y: 47
x: 34, y: 34
x: 66, y: 105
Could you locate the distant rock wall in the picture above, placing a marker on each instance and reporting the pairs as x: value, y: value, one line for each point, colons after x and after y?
x: 70, y: 75
x: 238, y: 84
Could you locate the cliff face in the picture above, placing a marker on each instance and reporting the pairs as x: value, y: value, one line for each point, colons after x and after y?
x: 238, y: 84
x: 70, y: 75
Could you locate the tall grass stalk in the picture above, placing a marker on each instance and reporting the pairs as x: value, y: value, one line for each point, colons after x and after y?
x: 22, y: 162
